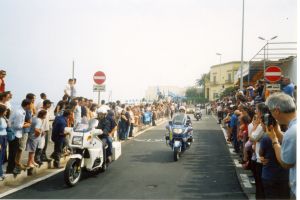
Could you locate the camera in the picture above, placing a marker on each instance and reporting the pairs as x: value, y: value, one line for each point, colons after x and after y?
x: 268, y: 119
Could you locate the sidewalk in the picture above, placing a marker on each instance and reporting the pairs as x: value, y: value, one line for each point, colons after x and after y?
x: 14, y: 183
x: 243, y: 175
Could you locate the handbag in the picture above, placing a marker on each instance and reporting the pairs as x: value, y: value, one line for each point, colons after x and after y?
x: 11, y: 135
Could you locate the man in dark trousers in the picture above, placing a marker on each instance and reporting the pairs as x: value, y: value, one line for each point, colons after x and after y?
x: 108, y: 125
x: 59, y: 136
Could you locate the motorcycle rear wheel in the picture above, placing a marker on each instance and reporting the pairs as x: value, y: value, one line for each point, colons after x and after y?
x: 72, y: 173
x: 176, y: 154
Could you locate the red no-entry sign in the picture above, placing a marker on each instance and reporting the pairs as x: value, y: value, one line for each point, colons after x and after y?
x: 99, y: 77
x: 273, y: 74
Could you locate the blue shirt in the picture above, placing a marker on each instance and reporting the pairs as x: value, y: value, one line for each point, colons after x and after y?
x: 289, y: 89
x: 28, y: 118
x: 272, y: 170
x: 59, y: 125
x: 288, y: 151
x: 233, y: 122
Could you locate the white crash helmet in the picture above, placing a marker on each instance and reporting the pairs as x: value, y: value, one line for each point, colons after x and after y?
x: 102, y: 110
x: 182, y: 108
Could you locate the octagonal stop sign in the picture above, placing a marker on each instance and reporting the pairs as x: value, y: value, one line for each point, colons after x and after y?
x: 99, y: 77
x: 273, y: 74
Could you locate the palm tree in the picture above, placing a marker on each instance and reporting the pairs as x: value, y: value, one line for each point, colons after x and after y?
x: 202, y: 80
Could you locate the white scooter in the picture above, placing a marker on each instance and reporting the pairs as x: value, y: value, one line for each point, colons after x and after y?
x: 88, y: 151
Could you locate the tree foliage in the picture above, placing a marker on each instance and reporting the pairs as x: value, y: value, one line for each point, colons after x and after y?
x: 228, y: 91
x: 194, y: 96
x: 201, y: 82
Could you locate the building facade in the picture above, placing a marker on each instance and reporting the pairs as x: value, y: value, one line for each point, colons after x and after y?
x: 221, y: 77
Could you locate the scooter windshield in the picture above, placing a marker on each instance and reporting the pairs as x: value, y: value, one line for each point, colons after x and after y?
x: 81, y: 127
x: 179, y: 119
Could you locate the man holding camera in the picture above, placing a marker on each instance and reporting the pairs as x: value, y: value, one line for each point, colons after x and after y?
x: 283, y: 109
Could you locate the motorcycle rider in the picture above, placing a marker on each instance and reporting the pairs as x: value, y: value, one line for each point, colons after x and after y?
x: 108, y: 125
x: 198, y: 111
x: 183, y: 110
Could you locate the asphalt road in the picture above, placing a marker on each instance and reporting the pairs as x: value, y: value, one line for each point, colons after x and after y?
x: 146, y: 170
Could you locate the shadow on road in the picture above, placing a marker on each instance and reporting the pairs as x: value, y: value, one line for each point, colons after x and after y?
x: 154, y: 157
x: 211, y: 171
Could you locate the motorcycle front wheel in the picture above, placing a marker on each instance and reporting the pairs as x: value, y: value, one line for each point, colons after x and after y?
x: 72, y: 172
x: 176, y: 154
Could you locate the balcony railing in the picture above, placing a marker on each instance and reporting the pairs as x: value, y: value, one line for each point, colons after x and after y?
x: 228, y: 81
x: 212, y: 83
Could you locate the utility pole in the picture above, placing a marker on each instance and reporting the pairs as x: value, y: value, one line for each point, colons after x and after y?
x: 242, y: 53
x: 73, y: 68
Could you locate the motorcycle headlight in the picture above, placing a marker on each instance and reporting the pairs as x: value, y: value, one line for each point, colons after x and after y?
x: 177, y: 130
x: 77, y: 140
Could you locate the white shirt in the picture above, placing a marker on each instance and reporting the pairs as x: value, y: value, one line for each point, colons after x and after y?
x: 256, y: 135
x: 219, y: 108
x: 9, y: 106
x: 77, y: 114
x: 17, y: 120
x: 46, y: 121
x: 73, y: 91
x: 68, y: 89
x: 172, y: 107
x: 39, y: 105
x: 118, y: 109
x: 3, y: 126
x: 131, y: 116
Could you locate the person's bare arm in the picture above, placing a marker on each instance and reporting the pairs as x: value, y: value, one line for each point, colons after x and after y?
x: 277, y: 148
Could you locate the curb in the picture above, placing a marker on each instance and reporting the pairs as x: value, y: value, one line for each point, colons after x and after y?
x: 242, y: 174
x: 23, y: 180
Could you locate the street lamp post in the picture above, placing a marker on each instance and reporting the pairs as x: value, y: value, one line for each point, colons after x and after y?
x: 219, y: 54
x: 261, y: 38
x: 242, y: 51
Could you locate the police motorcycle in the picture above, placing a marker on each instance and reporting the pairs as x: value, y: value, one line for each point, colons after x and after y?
x: 198, y: 114
x: 88, y: 151
x: 179, y: 134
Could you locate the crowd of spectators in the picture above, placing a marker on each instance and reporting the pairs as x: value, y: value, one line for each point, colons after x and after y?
x: 33, y: 124
x: 261, y: 126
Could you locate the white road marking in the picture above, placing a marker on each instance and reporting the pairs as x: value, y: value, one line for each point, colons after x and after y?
x: 237, y: 164
x: 245, y: 180
x: 149, y: 140
x: 21, y: 187
x: 231, y: 151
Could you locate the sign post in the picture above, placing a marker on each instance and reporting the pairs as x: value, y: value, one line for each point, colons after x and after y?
x: 99, y: 79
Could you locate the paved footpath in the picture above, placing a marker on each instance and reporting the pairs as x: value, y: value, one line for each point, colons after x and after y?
x: 146, y: 170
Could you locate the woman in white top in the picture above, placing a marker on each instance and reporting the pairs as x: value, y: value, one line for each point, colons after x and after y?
x: 34, y: 137
x: 3, y: 138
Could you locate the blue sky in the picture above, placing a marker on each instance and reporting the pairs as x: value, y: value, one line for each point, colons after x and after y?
x: 137, y: 43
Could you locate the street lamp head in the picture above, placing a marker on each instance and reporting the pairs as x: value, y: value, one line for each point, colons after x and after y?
x: 274, y: 37
x: 218, y: 54
x: 261, y: 38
